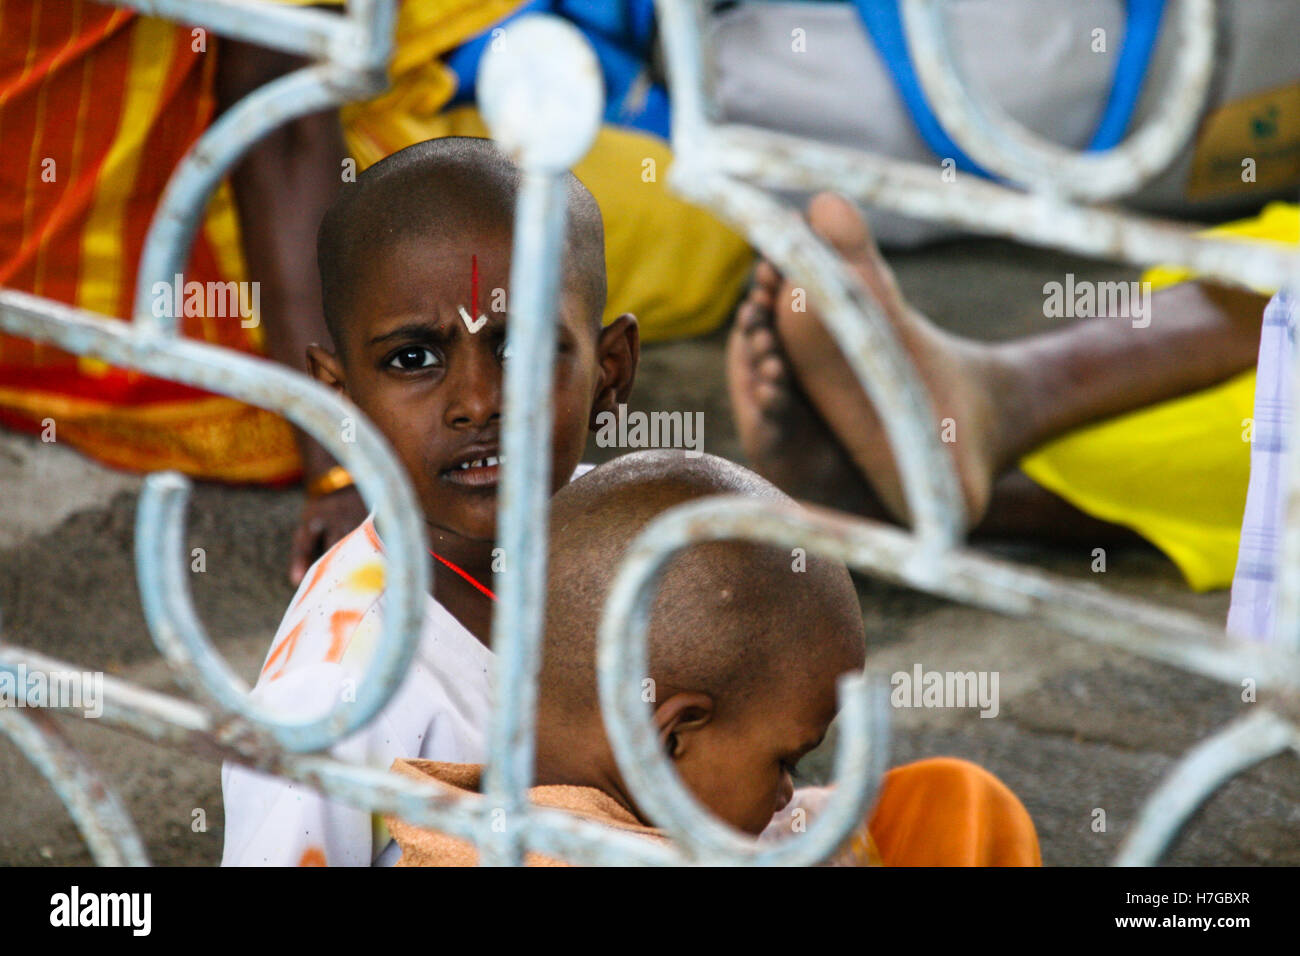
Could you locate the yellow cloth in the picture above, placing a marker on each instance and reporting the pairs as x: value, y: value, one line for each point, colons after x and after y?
x: 1175, y: 472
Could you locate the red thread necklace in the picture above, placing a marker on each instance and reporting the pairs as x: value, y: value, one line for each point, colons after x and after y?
x: 482, y: 588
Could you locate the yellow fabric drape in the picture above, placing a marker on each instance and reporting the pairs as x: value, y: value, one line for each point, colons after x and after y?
x: 1175, y: 472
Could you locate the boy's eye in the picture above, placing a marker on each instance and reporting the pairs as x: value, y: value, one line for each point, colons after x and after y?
x: 503, y: 353
x: 413, y: 357
x: 791, y: 767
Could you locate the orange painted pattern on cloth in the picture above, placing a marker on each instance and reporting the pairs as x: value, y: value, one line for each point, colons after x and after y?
x: 322, y: 566
x: 372, y: 535
x: 340, y: 589
x: 313, y: 856
x: 343, y: 625
x: 285, y: 647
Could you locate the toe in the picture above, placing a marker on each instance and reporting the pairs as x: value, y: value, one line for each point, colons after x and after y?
x: 839, y: 222
x: 771, y: 399
x: 748, y: 317
x: 762, y: 297
x: 764, y: 343
x: 767, y: 276
x: 772, y: 370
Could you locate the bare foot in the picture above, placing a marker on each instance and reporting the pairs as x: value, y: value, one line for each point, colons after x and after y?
x: 961, y: 381
x: 783, y: 437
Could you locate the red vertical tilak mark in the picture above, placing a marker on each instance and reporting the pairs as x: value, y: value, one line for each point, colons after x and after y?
x: 473, y: 286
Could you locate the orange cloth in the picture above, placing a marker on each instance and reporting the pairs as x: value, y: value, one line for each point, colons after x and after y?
x: 421, y: 847
x: 99, y: 105
x: 947, y: 812
x: 936, y: 812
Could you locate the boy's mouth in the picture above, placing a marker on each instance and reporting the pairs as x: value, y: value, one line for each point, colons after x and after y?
x: 476, y: 469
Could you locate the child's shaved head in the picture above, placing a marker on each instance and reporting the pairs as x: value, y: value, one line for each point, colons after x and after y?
x: 712, y: 625
x: 453, y: 188
x: 741, y: 642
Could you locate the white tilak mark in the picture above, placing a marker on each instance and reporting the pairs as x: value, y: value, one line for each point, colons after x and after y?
x: 472, y: 324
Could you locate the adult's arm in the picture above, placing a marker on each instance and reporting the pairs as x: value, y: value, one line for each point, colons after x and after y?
x: 282, y: 189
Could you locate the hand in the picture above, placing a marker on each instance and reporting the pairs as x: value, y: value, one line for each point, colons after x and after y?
x: 803, y: 807
x: 324, y: 521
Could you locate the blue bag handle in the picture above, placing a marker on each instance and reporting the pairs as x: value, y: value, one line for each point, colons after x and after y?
x: 884, y: 24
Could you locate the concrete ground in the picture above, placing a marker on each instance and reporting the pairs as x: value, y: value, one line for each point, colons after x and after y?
x: 1080, y: 727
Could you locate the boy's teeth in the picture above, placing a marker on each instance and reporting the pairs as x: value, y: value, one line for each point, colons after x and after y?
x: 488, y: 462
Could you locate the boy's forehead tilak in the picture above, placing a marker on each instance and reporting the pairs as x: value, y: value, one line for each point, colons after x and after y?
x: 437, y: 278
x: 413, y: 281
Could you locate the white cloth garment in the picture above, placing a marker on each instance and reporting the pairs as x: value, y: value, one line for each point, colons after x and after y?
x: 1254, y: 584
x: 320, y: 652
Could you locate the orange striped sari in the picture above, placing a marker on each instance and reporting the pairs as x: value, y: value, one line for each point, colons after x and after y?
x: 97, y: 107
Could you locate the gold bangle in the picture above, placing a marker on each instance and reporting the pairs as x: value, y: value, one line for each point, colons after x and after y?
x: 334, y: 479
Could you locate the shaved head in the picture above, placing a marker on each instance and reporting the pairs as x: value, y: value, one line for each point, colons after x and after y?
x: 728, y: 616
x: 443, y: 190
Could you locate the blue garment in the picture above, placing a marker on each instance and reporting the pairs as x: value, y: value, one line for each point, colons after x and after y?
x: 622, y: 34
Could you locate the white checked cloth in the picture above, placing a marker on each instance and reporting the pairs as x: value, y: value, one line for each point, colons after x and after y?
x: 1254, y: 585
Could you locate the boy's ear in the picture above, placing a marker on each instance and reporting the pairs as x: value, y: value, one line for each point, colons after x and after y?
x: 678, y: 718
x: 618, y: 349
x: 326, y: 369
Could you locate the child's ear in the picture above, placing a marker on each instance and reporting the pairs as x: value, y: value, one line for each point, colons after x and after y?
x: 679, y: 718
x: 618, y: 349
x: 326, y: 369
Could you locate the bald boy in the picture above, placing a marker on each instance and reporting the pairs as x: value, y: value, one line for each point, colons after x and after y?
x: 415, y: 268
x: 744, y: 651
x: 744, y: 657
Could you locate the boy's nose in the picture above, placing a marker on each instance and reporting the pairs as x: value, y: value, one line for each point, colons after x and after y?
x: 475, y: 393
